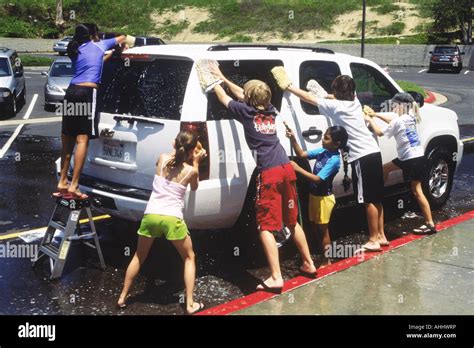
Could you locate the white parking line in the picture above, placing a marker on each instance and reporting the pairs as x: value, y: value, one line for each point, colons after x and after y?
x: 32, y: 72
x: 466, y: 72
x: 419, y: 72
x: 7, y: 145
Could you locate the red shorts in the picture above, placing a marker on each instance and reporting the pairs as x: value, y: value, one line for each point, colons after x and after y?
x: 277, y: 200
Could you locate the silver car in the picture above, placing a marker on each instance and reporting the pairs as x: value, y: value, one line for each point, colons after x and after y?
x: 61, y: 45
x: 12, y: 82
x: 59, y: 76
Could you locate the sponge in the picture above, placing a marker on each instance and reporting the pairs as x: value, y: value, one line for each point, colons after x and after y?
x: 206, y: 78
x: 316, y: 89
x: 281, y: 78
x: 130, y: 41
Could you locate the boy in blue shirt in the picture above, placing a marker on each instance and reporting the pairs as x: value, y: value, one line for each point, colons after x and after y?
x: 321, y: 198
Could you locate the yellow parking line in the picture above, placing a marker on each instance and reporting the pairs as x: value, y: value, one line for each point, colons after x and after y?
x: 43, y: 229
x: 467, y: 139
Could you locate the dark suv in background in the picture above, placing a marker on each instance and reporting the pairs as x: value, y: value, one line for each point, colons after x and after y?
x: 446, y: 57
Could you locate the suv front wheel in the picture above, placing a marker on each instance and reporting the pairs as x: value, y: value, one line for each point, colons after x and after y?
x: 13, y: 106
x: 439, y: 176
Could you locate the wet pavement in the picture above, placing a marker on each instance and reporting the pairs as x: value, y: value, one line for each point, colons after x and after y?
x: 429, y: 276
x: 26, y: 179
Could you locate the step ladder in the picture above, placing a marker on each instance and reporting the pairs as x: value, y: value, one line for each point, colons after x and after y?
x: 71, y: 209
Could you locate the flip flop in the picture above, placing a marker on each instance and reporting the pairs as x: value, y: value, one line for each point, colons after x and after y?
x: 308, y: 274
x: 367, y: 248
x: 201, y: 307
x: 74, y: 195
x: 265, y: 287
x: 384, y: 243
x: 425, y: 229
x: 60, y: 193
x: 122, y: 306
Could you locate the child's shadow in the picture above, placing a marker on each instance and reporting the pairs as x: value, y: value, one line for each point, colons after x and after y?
x: 161, y: 294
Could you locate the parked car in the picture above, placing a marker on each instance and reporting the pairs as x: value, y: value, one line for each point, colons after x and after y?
x: 12, y: 82
x: 446, y: 57
x: 59, y: 76
x: 147, y: 102
x: 61, y: 45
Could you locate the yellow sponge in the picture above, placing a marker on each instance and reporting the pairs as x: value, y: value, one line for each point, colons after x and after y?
x: 281, y: 78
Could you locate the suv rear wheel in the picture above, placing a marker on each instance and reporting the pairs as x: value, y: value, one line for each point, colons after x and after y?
x: 439, y: 176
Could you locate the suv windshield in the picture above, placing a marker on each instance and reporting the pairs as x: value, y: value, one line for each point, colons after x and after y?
x: 62, y: 69
x: 4, y: 68
x: 146, y: 88
x: 445, y: 50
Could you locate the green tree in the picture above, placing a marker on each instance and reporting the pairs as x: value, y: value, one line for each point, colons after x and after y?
x: 453, y: 14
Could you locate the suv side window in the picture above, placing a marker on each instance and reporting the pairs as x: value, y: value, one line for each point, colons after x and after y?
x: 322, y: 71
x: 239, y: 72
x: 371, y: 86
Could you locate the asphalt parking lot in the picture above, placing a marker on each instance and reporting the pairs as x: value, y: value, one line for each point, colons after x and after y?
x: 27, y: 179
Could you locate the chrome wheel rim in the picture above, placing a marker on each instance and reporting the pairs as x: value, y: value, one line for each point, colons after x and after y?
x: 439, y: 178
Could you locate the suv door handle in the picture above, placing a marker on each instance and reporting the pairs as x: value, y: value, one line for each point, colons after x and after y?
x: 311, y: 131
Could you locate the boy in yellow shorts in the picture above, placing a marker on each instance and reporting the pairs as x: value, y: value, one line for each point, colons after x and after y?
x: 321, y: 198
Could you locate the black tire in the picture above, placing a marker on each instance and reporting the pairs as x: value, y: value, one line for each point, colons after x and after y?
x: 12, y: 108
x: 23, y: 97
x: 49, y: 107
x: 431, y: 69
x: 438, y: 180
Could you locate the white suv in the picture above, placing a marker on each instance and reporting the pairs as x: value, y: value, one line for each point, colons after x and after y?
x: 154, y: 92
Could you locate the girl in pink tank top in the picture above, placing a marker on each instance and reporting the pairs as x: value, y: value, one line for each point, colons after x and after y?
x: 164, y: 213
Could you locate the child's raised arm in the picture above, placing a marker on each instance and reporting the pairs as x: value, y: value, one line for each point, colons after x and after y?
x: 303, y: 95
x: 222, y: 96
x: 375, y: 128
x: 237, y: 91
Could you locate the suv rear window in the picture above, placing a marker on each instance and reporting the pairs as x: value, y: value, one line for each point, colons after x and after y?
x: 146, y: 88
x: 239, y: 72
x: 445, y: 50
x: 4, y: 68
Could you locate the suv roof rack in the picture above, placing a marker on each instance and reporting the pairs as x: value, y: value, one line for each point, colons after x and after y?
x: 225, y: 47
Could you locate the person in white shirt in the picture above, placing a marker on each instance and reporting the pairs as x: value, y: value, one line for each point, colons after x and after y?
x: 411, y: 158
x: 364, y: 153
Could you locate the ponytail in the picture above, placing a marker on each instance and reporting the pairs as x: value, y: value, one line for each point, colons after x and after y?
x: 346, y: 182
x: 416, y: 111
x: 184, y: 142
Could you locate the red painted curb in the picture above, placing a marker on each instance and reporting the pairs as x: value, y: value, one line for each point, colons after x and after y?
x: 260, y: 296
x: 431, y: 98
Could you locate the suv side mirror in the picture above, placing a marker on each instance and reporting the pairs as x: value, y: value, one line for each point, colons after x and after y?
x: 44, y: 73
x: 463, y: 53
x: 418, y: 97
x: 431, y: 52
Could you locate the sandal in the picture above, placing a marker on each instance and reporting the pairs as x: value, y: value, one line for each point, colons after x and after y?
x: 60, y: 193
x: 264, y: 287
x: 369, y: 247
x: 311, y: 275
x: 201, y: 306
x: 425, y: 229
x: 75, y: 195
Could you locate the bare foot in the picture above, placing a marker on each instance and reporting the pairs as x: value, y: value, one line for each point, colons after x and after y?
x: 194, y: 308
x: 122, y: 302
x: 308, y: 268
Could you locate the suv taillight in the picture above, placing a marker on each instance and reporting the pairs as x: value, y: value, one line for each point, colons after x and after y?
x: 200, y: 128
x: 434, y: 59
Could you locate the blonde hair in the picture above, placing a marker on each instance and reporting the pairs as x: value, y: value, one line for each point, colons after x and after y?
x: 258, y: 94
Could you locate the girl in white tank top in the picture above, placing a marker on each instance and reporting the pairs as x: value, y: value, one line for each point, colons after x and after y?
x: 164, y: 214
